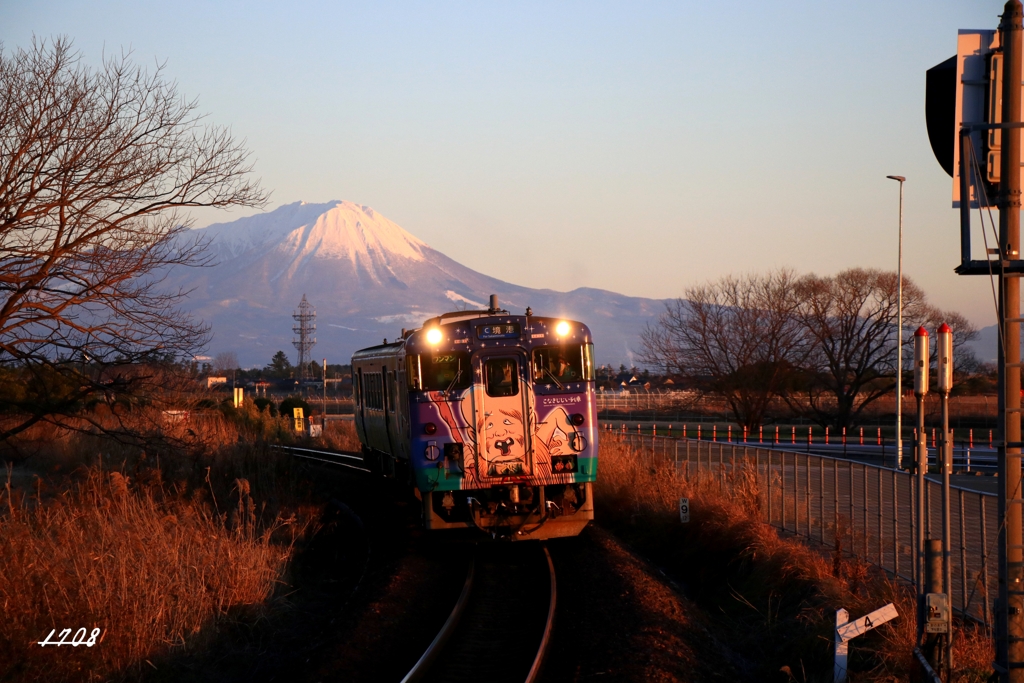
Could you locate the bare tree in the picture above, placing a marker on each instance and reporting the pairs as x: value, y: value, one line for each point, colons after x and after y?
x: 965, y: 362
x: 225, y: 362
x: 850, y: 321
x: 736, y: 337
x: 98, y: 168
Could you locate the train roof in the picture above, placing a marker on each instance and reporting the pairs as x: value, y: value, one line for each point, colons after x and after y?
x: 379, y: 350
x: 387, y: 349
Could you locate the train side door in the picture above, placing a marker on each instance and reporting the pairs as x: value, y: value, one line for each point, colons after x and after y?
x: 503, y: 416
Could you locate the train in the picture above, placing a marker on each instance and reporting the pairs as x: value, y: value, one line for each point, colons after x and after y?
x: 490, y: 417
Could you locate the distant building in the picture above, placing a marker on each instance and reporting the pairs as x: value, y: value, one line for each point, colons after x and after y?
x: 214, y: 381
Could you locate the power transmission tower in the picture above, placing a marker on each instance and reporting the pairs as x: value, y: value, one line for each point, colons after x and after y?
x: 305, y: 327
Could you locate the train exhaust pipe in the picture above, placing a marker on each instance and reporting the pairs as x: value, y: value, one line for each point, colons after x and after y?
x: 494, y: 304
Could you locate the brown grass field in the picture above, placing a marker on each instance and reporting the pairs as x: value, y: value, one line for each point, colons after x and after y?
x: 154, y: 546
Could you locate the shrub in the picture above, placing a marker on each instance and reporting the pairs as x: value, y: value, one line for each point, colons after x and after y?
x: 264, y: 404
x: 294, y: 402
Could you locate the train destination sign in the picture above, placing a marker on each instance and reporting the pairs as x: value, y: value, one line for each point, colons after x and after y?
x: 503, y: 331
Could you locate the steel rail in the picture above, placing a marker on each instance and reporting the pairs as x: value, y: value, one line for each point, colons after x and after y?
x: 548, y: 627
x: 423, y: 665
x: 333, y: 457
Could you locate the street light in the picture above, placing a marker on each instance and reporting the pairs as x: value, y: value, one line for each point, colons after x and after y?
x: 899, y: 335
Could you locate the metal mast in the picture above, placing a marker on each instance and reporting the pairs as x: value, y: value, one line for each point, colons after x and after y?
x: 305, y: 327
x: 1010, y: 612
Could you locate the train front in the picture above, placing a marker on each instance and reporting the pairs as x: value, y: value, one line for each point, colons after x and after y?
x: 504, y: 424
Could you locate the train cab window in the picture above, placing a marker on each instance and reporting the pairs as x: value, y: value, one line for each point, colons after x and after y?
x: 502, y: 377
x: 442, y: 371
x: 560, y: 365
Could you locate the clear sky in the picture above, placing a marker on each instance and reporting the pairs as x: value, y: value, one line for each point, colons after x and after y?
x: 636, y: 147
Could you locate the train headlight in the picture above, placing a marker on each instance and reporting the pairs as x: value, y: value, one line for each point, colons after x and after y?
x: 562, y: 328
x: 434, y: 336
x: 576, y: 419
x: 430, y: 428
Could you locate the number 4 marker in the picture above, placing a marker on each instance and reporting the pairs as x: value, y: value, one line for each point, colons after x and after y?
x: 847, y: 630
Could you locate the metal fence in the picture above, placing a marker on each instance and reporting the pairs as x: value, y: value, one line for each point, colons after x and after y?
x: 858, y: 508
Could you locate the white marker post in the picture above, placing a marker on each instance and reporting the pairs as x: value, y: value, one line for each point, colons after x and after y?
x: 847, y: 630
x: 684, y: 510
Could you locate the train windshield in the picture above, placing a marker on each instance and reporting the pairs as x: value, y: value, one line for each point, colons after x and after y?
x: 443, y: 371
x: 558, y: 365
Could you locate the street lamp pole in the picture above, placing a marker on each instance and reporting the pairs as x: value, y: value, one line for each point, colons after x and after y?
x: 899, y: 335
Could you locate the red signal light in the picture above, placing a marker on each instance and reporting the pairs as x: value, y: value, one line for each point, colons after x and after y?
x: 576, y: 419
x: 430, y: 428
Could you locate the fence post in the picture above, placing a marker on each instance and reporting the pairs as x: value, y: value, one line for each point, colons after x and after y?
x: 915, y: 551
x: 853, y: 517
x: 721, y: 468
x: 984, y: 564
x: 881, y: 551
x: 835, y: 507
x: 821, y: 500
x: 771, y: 473
x: 963, y: 556
x: 807, y: 498
x: 866, y: 549
x: 895, y: 523
x: 757, y: 467
x: 784, y: 492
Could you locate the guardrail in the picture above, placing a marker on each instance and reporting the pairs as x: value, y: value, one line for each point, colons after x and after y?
x: 969, y: 454
x: 855, y: 507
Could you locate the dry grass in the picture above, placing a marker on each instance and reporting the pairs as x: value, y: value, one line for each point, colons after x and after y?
x: 155, y: 546
x: 777, y: 596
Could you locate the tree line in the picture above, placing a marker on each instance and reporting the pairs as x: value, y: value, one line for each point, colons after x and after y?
x: 825, y: 345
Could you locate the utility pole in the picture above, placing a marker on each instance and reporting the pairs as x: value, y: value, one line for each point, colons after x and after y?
x: 976, y: 66
x: 1010, y: 610
x: 305, y: 319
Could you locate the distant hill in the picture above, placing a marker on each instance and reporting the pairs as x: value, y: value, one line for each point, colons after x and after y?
x: 367, y: 278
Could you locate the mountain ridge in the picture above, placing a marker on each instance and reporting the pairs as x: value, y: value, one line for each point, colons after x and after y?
x: 368, y: 278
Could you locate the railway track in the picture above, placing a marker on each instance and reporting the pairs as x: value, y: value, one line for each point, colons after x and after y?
x: 501, y: 625
x: 347, y: 459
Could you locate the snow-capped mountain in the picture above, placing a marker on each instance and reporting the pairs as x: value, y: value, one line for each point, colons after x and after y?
x: 367, y: 278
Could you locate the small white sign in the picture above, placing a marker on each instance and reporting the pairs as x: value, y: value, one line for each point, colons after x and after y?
x: 684, y: 510
x: 847, y: 630
x: 852, y: 629
x: 316, y: 430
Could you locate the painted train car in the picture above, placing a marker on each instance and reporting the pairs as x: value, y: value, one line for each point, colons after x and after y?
x: 490, y: 416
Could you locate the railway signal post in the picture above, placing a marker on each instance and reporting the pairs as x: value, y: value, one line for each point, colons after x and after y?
x: 944, y: 360
x: 921, y: 367
x: 984, y: 92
